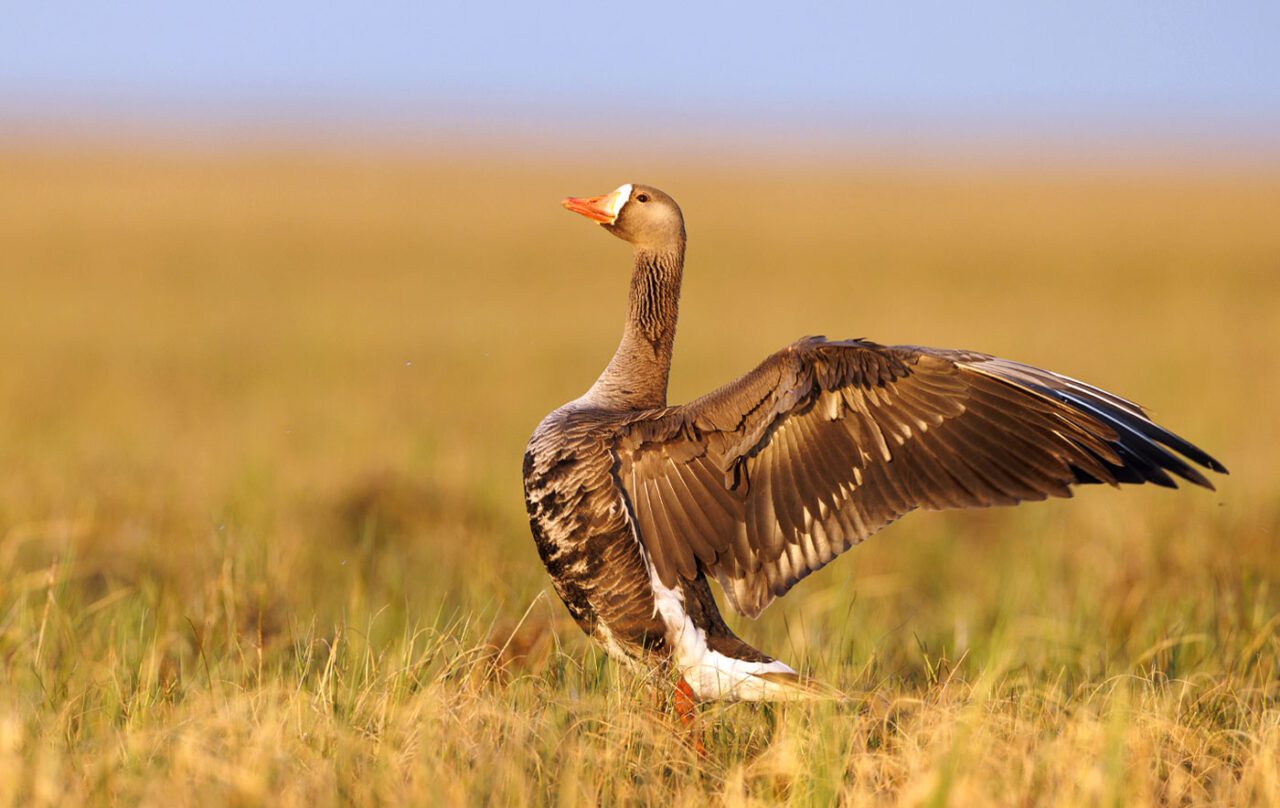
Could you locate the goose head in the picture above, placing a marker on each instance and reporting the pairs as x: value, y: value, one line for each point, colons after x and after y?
x: 640, y: 214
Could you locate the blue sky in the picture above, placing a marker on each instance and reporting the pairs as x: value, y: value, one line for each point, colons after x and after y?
x: 1141, y: 66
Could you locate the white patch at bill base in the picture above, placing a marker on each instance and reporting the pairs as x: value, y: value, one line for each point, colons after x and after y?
x: 617, y: 199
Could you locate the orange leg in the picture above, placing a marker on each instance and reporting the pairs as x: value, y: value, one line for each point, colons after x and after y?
x: 686, y: 710
x: 684, y: 703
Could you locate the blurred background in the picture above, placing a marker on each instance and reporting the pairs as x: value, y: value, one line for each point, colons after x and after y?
x: 287, y: 286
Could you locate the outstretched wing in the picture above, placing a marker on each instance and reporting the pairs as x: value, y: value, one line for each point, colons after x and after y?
x: 769, y: 478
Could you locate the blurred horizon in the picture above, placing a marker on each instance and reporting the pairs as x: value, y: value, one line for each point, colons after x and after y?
x: 288, y: 286
x: 1147, y: 81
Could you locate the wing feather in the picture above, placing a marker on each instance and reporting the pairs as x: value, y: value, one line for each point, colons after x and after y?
x: 769, y: 478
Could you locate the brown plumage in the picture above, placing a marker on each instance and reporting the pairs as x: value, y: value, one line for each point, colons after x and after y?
x: 635, y: 504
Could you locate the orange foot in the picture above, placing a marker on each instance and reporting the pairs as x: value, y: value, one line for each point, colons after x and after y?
x: 686, y: 709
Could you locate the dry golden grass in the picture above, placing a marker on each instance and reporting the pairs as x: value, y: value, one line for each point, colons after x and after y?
x: 261, y: 532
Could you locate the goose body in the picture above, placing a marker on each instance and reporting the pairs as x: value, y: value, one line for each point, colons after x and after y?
x: 634, y: 505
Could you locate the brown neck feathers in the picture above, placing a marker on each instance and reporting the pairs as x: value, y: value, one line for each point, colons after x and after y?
x: 636, y: 377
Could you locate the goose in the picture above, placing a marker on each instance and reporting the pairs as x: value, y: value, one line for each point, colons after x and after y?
x: 634, y: 504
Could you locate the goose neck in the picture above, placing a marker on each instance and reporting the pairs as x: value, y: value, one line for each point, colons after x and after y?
x: 636, y: 377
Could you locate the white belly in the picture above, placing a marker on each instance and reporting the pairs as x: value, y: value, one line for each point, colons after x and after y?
x: 711, y: 674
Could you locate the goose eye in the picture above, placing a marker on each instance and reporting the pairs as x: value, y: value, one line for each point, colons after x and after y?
x: 642, y: 197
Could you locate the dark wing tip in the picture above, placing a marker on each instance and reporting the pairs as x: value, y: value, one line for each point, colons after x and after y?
x: 1213, y: 465
x: 1149, y: 451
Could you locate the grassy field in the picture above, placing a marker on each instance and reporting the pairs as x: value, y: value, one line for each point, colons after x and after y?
x: 262, y: 538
